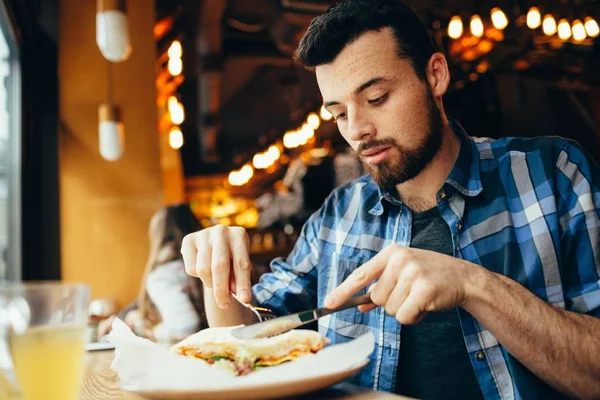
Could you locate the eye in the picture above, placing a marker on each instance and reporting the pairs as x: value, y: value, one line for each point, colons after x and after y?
x: 340, y: 116
x: 379, y: 100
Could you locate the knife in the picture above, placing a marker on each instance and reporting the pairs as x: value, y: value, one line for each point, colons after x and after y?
x: 279, y: 325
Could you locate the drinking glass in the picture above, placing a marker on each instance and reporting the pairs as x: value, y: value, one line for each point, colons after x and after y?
x: 43, y: 330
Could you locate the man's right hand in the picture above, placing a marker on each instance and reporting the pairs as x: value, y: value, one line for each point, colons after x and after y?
x: 219, y: 256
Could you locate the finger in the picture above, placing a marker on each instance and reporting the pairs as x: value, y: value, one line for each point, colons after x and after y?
x: 358, y: 279
x: 221, y: 265
x: 188, y: 252
x: 396, y: 298
x: 385, y: 285
x: 368, y: 307
x: 241, y: 262
x: 203, y: 261
x: 412, y: 310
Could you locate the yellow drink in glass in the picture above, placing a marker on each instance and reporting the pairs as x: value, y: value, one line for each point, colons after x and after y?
x: 44, y: 326
x: 48, y: 361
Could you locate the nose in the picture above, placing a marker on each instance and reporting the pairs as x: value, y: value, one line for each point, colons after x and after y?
x: 359, y: 127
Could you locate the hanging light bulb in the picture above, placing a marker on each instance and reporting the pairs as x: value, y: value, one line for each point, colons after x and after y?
x: 476, y: 26
x: 175, y: 66
x: 564, y: 29
x: 549, y: 25
x: 499, y: 19
x: 112, y: 35
x: 591, y: 27
x: 175, y: 49
x: 455, y: 27
x: 175, y: 138
x: 111, y: 132
x: 578, y: 30
x: 176, y: 110
x: 534, y: 18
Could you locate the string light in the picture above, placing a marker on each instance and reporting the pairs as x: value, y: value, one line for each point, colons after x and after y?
x: 591, y: 27
x: 564, y: 29
x: 549, y: 25
x: 499, y: 19
x: 175, y: 64
x: 313, y: 121
x: 476, y: 26
x: 241, y: 177
x: 455, y: 27
x: 578, y: 29
x: 266, y: 159
x: 175, y: 138
x: 175, y: 50
x: 176, y: 110
x: 325, y: 115
x: 534, y: 18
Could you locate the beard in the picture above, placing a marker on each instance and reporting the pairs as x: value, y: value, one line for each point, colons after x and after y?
x: 410, y: 162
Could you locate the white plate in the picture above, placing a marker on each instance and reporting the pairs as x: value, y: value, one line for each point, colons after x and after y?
x: 94, y: 346
x: 258, y: 391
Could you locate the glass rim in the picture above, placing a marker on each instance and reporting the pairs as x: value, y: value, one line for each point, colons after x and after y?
x: 42, y: 285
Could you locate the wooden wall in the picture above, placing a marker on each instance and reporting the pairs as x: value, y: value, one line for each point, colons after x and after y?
x: 106, y: 206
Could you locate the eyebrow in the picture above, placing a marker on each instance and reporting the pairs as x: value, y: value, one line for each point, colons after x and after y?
x: 371, y: 82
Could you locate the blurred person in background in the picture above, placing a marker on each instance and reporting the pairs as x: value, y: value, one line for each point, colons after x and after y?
x: 169, y: 306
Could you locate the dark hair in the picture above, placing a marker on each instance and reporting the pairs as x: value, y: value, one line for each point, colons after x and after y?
x: 346, y: 20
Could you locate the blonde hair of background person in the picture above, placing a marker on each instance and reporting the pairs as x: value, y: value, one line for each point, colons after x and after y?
x: 169, y: 303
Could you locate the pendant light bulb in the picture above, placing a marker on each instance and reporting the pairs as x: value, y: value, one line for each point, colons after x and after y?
x: 112, y: 35
x: 111, y: 132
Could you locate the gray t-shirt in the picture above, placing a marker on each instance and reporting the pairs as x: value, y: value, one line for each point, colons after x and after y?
x: 434, y: 362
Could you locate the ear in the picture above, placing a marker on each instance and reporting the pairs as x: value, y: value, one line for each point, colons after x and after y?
x: 438, y: 74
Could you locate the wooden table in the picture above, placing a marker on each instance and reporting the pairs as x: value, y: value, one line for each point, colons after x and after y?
x: 100, y: 383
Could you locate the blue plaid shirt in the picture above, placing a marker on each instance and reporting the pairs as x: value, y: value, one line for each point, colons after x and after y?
x: 523, y: 208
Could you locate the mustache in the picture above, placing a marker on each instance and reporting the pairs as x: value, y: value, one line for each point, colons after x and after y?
x: 364, y: 146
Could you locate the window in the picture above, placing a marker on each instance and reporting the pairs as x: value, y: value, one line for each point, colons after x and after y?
x: 10, y: 152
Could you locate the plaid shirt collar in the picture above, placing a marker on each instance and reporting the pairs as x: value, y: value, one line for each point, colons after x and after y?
x: 464, y: 176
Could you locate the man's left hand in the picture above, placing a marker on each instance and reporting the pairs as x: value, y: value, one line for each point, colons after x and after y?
x: 411, y: 282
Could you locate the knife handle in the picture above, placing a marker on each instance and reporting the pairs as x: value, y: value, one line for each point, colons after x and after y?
x: 355, y: 301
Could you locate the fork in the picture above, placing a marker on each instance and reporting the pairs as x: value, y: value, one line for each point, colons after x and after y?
x: 263, y: 314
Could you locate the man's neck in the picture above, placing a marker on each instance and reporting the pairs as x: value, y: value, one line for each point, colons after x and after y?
x: 419, y: 194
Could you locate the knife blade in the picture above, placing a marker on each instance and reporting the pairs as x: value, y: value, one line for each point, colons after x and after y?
x: 279, y: 325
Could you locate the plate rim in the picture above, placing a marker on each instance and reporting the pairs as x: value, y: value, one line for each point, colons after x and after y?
x: 257, y: 385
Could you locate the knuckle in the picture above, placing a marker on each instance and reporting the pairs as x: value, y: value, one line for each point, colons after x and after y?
x: 244, y: 265
x: 426, y: 287
x: 221, y: 263
x: 237, y: 230
x: 400, y: 257
x: 203, y: 272
x: 412, y: 270
x: 219, y: 228
x: 360, y: 275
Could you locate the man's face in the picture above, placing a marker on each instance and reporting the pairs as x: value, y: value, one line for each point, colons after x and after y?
x: 383, y: 110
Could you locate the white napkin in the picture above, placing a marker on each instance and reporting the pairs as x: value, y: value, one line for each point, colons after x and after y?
x: 145, y: 366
